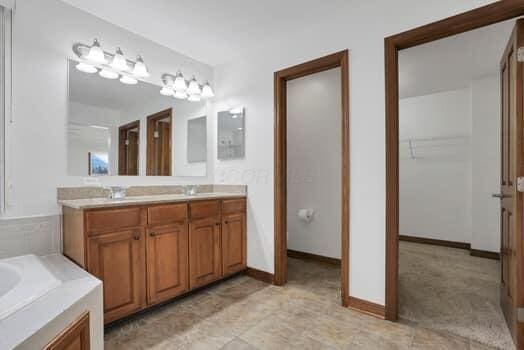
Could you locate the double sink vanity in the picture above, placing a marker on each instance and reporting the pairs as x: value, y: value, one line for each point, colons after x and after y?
x: 156, y: 243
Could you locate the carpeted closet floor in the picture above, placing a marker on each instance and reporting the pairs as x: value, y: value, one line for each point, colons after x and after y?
x: 446, y: 289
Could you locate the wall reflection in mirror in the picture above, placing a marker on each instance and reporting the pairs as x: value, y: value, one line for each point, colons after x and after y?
x: 116, y: 129
x: 231, y: 140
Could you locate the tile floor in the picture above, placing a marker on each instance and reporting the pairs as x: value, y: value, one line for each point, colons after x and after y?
x: 245, y: 314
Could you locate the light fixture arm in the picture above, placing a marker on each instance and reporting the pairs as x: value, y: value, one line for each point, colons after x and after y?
x: 81, y: 50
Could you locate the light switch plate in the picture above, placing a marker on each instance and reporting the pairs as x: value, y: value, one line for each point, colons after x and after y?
x: 520, y: 184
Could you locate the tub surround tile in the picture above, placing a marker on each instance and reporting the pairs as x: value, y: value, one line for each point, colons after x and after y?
x: 30, y: 235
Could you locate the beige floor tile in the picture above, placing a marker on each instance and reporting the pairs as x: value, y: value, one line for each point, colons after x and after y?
x: 238, y: 344
x: 426, y: 339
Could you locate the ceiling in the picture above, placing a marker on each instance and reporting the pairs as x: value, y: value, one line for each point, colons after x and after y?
x: 211, y: 31
x: 452, y: 63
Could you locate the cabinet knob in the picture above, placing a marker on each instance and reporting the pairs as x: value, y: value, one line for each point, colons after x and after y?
x: 226, y: 222
x: 136, y: 236
x: 218, y: 223
x: 152, y: 234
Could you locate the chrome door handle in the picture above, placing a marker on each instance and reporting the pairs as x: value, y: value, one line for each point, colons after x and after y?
x: 500, y: 195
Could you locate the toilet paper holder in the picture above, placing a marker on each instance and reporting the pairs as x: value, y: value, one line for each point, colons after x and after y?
x: 306, y: 215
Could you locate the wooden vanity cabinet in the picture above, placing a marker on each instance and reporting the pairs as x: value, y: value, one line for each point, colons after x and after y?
x: 205, y: 255
x: 118, y: 259
x: 75, y: 337
x: 149, y: 254
x: 234, y: 240
x: 167, y: 252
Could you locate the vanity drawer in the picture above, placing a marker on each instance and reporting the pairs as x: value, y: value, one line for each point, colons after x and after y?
x: 107, y: 220
x: 231, y: 206
x: 166, y: 214
x: 204, y: 210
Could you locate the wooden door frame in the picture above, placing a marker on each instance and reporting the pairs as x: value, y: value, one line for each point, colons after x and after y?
x: 483, y: 16
x: 150, y: 152
x: 339, y: 59
x: 122, y: 151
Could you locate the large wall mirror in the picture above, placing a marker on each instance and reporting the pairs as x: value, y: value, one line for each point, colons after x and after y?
x: 117, y: 129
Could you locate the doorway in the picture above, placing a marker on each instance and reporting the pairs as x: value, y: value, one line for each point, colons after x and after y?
x: 159, y: 143
x: 128, y: 148
x: 511, y: 252
x: 281, y: 79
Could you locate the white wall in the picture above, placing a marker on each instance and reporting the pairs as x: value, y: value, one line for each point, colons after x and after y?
x: 445, y: 192
x: 43, y: 34
x: 435, y: 186
x: 249, y: 82
x: 86, y: 139
x: 314, y: 162
x: 486, y: 163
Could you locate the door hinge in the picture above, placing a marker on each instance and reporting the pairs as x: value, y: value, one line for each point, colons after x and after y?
x: 520, y: 54
x: 520, y: 184
x: 520, y: 314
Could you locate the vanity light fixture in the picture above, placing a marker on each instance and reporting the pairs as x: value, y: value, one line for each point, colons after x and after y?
x: 96, y: 54
x: 104, y: 73
x: 182, y: 95
x: 119, y: 62
x: 167, y: 91
x: 193, y: 88
x: 237, y: 110
x: 140, y: 69
x: 180, y: 83
x: 86, y: 68
x: 128, y: 80
x: 111, y: 66
x: 207, y: 92
x: 182, y: 89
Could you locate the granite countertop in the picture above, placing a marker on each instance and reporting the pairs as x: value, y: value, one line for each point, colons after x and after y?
x: 90, y: 203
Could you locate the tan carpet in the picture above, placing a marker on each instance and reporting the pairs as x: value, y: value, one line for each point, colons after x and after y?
x: 446, y: 289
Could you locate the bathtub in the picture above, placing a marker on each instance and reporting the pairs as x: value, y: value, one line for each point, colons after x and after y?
x: 23, y: 280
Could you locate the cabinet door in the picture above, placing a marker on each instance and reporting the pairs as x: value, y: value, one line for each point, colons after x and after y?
x: 233, y: 243
x: 205, y: 264
x: 167, y: 262
x: 74, y: 337
x: 118, y: 259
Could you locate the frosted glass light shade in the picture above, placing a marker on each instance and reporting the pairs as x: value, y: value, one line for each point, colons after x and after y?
x: 182, y: 95
x: 194, y: 98
x: 86, y: 68
x: 96, y: 54
x: 140, y: 69
x: 180, y: 82
x: 128, y: 80
x: 104, y: 73
x: 119, y: 62
x: 193, y: 88
x: 167, y: 91
x: 207, y: 92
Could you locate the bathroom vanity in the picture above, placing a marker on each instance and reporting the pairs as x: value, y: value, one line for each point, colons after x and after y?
x: 150, y: 249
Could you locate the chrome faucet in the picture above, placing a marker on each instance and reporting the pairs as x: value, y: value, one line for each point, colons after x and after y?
x: 190, y: 190
x: 116, y: 192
